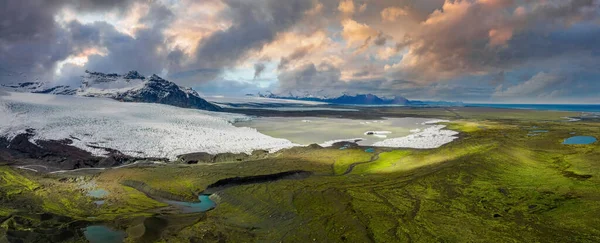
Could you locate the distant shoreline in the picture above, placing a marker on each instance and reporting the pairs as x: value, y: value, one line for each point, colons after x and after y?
x: 549, y: 107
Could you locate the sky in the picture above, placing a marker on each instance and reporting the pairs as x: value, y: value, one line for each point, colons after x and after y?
x: 500, y: 51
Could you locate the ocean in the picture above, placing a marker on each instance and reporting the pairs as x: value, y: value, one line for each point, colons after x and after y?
x: 555, y: 107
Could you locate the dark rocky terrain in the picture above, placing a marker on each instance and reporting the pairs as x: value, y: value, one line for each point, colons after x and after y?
x: 53, y: 155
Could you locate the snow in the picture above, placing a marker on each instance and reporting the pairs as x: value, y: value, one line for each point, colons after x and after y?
x: 38, y: 87
x: 434, y: 121
x: 430, y: 137
x: 571, y: 119
x: 331, y: 142
x: 156, y: 130
x: 93, y: 86
x: 136, y: 129
x: 379, y: 134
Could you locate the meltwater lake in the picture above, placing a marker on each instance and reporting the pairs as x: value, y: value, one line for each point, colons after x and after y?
x: 580, y: 140
x: 309, y: 130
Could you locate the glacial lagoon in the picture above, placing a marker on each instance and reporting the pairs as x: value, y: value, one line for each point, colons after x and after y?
x: 309, y: 130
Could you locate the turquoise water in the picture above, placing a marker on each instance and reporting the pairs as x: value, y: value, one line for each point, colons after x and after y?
x: 580, y: 140
x: 103, y: 234
x: 370, y: 150
x: 98, y: 193
x: 204, y: 205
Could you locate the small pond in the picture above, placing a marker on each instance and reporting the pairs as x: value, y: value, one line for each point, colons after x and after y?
x: 580, y: 140
x: 103, y: 234
x: 204, y: 205
x: 98, y: 193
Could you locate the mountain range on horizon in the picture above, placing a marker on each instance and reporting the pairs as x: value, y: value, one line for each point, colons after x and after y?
x: 359, y: 99
x: 344, y: 99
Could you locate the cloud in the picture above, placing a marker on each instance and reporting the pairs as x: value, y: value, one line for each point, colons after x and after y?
x: 298, y: 53
x: 254, y: 24
x: 497, y: 38
x: 346, y: 7
x: 362, y: 7
x: 354, y: 32
x: 30, y: 41
x: 541, y: 85
x: 325, y: 79
x: 147, y: 51
x: 309, y: 78
x: 381, y: 39
x: 34, y: 44
x: 386, y: 53
x: 417, y: 48
x: 391, y: 14
x: 258, y: 69
x: 227, y: 87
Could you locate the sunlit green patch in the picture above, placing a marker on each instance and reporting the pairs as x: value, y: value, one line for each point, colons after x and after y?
x: 350, y: 156
x: 12, y: 183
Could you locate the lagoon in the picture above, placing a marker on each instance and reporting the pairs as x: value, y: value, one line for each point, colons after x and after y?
x: 310, y: 130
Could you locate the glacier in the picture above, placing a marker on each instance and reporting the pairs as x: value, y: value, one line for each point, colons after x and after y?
x: 135, y: 129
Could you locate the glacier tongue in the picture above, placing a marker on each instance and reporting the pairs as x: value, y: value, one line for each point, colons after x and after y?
x: 136, y: 129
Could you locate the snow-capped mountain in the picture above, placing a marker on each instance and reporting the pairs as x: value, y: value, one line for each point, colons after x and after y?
x: 40, y: 88
x: 131, y: 87
x: 358, y: 99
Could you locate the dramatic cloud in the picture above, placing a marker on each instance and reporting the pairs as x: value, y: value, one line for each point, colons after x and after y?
x: 435, y: 49
x: 254, y: 25
x: 486, y: 35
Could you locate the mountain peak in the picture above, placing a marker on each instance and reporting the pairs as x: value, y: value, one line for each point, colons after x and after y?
x: 133, y: 75
x: 133, y: 87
